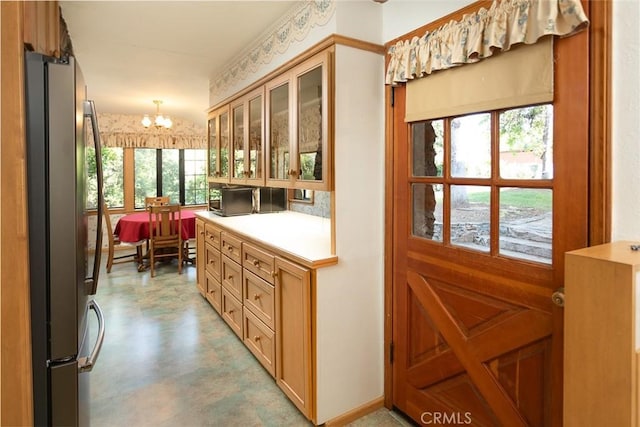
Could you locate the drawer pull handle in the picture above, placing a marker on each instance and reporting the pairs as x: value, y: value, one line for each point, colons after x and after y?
x: 202, y: 233
x: 273, y: 274
x: 230, y: 248
x: 256, y: 338
x: 256, y: 296
x: 256, y: 263
x: 231, y: 311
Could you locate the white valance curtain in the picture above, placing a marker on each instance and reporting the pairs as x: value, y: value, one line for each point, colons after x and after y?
x: 123, y: 130
x: 477, y: 35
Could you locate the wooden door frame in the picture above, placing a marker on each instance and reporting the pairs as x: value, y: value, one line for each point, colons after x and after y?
x: 599, y: 221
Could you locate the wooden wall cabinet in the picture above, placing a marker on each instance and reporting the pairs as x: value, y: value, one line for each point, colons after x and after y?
x: 298, y: 123
x: 602, y: 336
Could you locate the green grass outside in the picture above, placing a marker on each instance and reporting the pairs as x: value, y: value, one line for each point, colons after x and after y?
x: 518, y: 197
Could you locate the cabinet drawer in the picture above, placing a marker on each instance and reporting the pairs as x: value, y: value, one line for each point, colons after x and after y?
x: 232, y: 277
x: 212, y: 235
x: 260, y: 340
x: 231, y: 247
x: 258, y: 262
x: 214, y: 293
x: 212, y: 262
x: 232, y: 312
x: 259, y: 298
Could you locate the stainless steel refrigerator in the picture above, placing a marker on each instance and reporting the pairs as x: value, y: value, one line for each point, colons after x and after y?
x: 63, y: 279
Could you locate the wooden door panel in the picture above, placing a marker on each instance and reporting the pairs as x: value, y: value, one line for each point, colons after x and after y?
x: 489, y: 333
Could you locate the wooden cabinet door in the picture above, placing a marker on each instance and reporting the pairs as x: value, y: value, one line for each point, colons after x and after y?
x: 218, y: 145
x: 200, y: 257
x: 247, y: 151
x: 476, y: 337
x: 293, y: 334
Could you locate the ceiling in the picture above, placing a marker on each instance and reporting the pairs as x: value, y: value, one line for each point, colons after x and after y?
x: 132, y: 52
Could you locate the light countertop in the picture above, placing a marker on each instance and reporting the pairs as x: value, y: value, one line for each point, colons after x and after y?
x: 304, y: 238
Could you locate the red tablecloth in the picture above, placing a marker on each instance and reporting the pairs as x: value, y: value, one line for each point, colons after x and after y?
x: 133, y: 228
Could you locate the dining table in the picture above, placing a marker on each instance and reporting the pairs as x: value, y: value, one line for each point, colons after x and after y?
x: 134, y: 227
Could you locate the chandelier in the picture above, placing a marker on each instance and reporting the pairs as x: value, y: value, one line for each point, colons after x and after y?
x: 159, y: 121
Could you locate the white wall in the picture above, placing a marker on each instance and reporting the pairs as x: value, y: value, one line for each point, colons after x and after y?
x: 626, y: 120
x: 350, y: 295
x: 402, y: 16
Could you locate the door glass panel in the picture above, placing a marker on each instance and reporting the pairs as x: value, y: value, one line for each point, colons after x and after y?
x: 526, y: 224
x: 427, y: 148
x: 224, y: 145
x: 213, y: 147
x: 144, y: 175
x: 171, y: 174
x: 526, y: 143
x: 238, y: 142
x: 427, y: 211
x: 310, y: 125
x: 471, y: 146
x: 279, y: 132
x: 471, y: 216
x: 255, y: 137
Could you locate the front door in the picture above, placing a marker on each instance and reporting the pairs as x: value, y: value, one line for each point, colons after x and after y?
x: 485, y: 206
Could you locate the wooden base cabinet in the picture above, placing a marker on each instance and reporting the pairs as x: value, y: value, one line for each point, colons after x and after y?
x: 602, y: 336
x: 293, y: 338
x: 266, y: 300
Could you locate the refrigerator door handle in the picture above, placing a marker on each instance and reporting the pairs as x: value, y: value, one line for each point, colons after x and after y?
x: 91, y: 283
x: 85, y: 364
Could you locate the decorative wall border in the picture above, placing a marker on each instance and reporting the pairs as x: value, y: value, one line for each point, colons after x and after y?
x: 276, y: 40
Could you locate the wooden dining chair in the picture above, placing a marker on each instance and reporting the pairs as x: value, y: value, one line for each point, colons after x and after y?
x: 156, y: 201
x: 114, y: 241
x: 165, y: 234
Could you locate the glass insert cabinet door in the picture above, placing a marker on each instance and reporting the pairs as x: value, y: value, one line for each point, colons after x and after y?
x: 279, y: 130
x: 298, y: 123
x: 218, y: 145
x: 246, y: 127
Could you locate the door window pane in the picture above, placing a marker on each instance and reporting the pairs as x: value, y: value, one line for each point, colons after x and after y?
x: 171, y: 174
x: 427, y: 211
x: 144, y: 175
x: 471, y: 146
x: 526, y: 143
x: 427, y: 148
x: 195, y: 178
x: 471, y: 216
x: 113, y: 175
x: 526, y: 223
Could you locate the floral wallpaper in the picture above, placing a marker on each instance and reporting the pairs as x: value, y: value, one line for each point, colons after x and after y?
x: 293, y: 27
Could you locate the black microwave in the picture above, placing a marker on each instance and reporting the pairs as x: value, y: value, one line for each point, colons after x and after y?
x: 232, y: 201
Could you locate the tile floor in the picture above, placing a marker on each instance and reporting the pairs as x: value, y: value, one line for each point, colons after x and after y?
x: 169, y: 360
